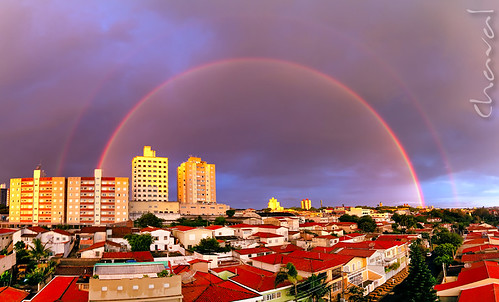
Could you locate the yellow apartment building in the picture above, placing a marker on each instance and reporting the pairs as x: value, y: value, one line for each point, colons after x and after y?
x: 149, y: 177
x: 196, y: 182
x: 37, y: 200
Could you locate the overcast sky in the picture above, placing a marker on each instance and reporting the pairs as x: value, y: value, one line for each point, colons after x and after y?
x: 289, y: 99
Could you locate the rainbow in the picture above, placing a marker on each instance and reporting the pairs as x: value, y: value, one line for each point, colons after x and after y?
x: 330, y: 79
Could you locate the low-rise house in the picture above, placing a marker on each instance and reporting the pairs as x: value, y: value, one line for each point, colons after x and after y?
x: 6, y: 238
x: 244, y: 231
x: 245, y: 254
x: 269, y: 239
x: 7, y: 262
x: 258, y: 280
x: 27, y: 235
x: 325, y: 240
x: 163, y: 241
x: 59, y: 242
x: 221, y: 232
x: 190, y: 236
x: 285, y: 249
x: 476, y: 275
x: 292, y: 223
x: 97, y: 250
x: 90, y: 235
x: 347, y: 227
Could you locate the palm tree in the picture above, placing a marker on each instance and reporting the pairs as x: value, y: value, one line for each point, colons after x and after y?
x: 38, y: 251
x: 314, y: 288
x: 290, y: 274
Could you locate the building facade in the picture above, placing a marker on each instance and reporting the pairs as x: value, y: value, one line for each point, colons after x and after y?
x: 196, y: 182
x: 37, y: 200
x: 97, y: 200
x: 149, y: 177
x: 306, y: 204
x: 73, y: 200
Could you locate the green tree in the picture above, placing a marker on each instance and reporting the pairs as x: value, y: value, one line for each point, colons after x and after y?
x: 5, y: 278
x: 22, y: 255
x: 290, y: 274
x: 149, y: 219
x: 366, y: 224
x: 348, y: 218
x: 140, y: 242
x: 356, y: 294
x: 314, y: 288
x: 420, y: 281
x: 220, y: 220
x: 38, y: 251
x: 230, y: 212
x: 209, y: 246
x: 444, y: 236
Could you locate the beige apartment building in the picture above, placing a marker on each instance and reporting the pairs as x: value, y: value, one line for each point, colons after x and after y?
x: 196, y: 182
x: 149, y: 177
x: 97, y: 200
x: 37, y: 200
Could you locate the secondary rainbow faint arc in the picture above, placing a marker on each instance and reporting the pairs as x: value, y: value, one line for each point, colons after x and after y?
x: 381, y: 121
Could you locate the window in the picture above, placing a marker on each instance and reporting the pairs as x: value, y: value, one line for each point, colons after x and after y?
x: 120, y: 287
x: 135, y: 287
x: 104, y: 288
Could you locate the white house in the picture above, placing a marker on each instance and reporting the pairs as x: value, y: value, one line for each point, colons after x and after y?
x: 163, y: 240
x: 58, y: 241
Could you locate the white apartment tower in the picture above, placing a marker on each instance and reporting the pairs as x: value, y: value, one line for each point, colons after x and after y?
x: 196, y: 182
x: 149, y: 177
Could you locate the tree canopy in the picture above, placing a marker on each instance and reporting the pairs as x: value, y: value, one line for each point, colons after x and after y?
x: 140, y: 242
x: 366, y: 224
x: 149, y: 219
x: 444, y: 236
x: 209, y: 246
x: 348, y: 218
x: 420, y: 281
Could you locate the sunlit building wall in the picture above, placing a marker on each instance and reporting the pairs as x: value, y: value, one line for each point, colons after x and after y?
x: 306, y: 204
x: 97, y: 200
x: 196, y: 182
x: 37, y: 200
x: 275, y: 205
x: 149, y: 177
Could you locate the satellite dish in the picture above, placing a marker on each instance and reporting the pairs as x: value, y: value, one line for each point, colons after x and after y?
x: 467, y: 265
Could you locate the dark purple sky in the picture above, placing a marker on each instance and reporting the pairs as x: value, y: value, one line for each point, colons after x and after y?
x: 262, y: 89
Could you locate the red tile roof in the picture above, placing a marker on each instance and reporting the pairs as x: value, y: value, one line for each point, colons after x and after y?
x: 183, y: 228
x: 481, y: 248
x: 92, y: 230
x: 476, y: 241
x: 99, y: 245
x: 61, y: 288
x: 6, y: 231
x: 214, y: 227
x: 177, y: 269
x: 489, y: 292
x: 37, y: 229
x: 479, y: 257
x: 10, y: 294
x: 62, y: 232
x: 149, y: 229
x: 370, y: 245
x: 266, y: 235
x: 253, y: 277
x: 287, y: 248
x: 138, y: 256
x: 255, y: 250
x: 478, y: 271
x: 306, y: 261
x: 356, y: 252
x: 210, y: 288
x: 397, y: 237
x: 199, y: 260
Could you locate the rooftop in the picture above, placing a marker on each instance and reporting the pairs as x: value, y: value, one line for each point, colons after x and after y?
x: 477, y: 272
x: 489, y: 292
x: 61, y: 288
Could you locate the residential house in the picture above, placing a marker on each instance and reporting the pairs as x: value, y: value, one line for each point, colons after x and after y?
x: 190, y: 236
x: 269, y: 239
x: 163, y: 241
x: 92, y: 234
x: 97, y: 250
x: 61, y: 289
x: 6, y: 237
x: 258, y: 280
x: 325, y: 240
x: 59, y: 242
x: 477, y: 275
x: 244, y: 255
x: 221, y: 232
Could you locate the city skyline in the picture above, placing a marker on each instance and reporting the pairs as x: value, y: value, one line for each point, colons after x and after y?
x: 288, y: 100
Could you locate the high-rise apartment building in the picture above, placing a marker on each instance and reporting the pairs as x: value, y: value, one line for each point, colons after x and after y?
x: 306, y: 204
x: 97, y: 200
x: 37, y: 200
x: 149, y: 177
x: 196, y: 182
x: 75, y: 200
x: 4, y: 195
